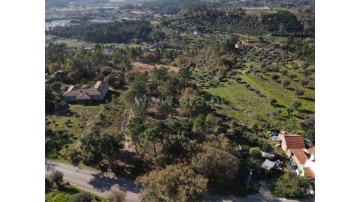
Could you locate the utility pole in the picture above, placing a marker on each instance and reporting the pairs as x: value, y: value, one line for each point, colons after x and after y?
x: 248, y: 182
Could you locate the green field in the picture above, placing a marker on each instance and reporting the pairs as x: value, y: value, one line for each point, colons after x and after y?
x: 240, y: 103
x: 73, y: 126
x: 74, y: 43
x: 248, y: 107
x: 284, y: 96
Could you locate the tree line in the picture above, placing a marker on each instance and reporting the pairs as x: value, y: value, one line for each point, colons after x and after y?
x: 112, y: 32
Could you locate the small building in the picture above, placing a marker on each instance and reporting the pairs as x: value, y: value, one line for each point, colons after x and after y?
x: 81, y: 95
x: 268, y: 165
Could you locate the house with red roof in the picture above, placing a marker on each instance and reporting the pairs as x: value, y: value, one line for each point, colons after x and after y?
x: 304, y: 158
x: 81, y: 95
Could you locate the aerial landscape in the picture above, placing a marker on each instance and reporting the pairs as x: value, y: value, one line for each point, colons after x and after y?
x: 179, y: 100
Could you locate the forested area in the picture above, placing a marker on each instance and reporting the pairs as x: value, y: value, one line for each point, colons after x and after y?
x: 172, y: 7
x: 114, y: 32
x: 227, y: 20
x: 282, y: 21
x: 235, y: 20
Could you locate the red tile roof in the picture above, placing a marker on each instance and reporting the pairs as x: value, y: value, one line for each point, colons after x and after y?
x: 73, y: 91
x: 300, y: 155
x: 294, y: 141
x: 92, y: 92
x: 99, y: 86
x: 80, y: 93
x: 309, y: 173
x: 311, y: 150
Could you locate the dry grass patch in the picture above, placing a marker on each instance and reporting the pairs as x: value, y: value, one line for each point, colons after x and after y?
x: 141, y: 67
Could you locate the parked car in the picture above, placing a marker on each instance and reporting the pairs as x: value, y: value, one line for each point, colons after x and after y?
x: 274, y: 132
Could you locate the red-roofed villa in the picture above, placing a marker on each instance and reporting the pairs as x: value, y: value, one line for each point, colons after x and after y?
x: 80, y: 95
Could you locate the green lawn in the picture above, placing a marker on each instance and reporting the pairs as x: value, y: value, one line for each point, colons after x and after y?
x: 66, y: 194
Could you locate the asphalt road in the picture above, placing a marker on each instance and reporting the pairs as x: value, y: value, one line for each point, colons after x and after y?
x: 94, y: 181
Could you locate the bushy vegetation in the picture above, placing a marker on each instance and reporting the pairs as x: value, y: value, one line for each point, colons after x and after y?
x: 291, y: 186
x: 177, y: 183
x: 217, y: 165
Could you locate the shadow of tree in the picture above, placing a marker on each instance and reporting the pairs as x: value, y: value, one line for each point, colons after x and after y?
x: 104, y: 183
x: 311, y: 88
x: 131, y: 165
x: 215, y: 99
x: 298, y: 116
x: 69, y: 190
x: 279, y: 106
x: 308, y: 99
x: 306, y: 111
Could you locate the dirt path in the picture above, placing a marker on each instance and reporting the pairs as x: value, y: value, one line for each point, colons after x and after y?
x: 126, y: 117
x: 91, y: 121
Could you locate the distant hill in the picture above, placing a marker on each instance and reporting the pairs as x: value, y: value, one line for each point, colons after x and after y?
x: 236, y: 20
x: 72, y: 3
x: 174, y: 6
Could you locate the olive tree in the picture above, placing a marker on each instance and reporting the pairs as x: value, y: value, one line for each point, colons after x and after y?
x: 299, y: 93
x: 304, y: 82
x: 56, y: 178
x: 285, y: 83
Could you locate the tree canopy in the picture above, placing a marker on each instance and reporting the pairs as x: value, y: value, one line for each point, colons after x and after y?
x: 217, y: 165
x: 174, y: 183
x: 291, y: 186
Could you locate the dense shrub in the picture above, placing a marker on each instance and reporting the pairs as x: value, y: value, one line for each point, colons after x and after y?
x: 291, y: 186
